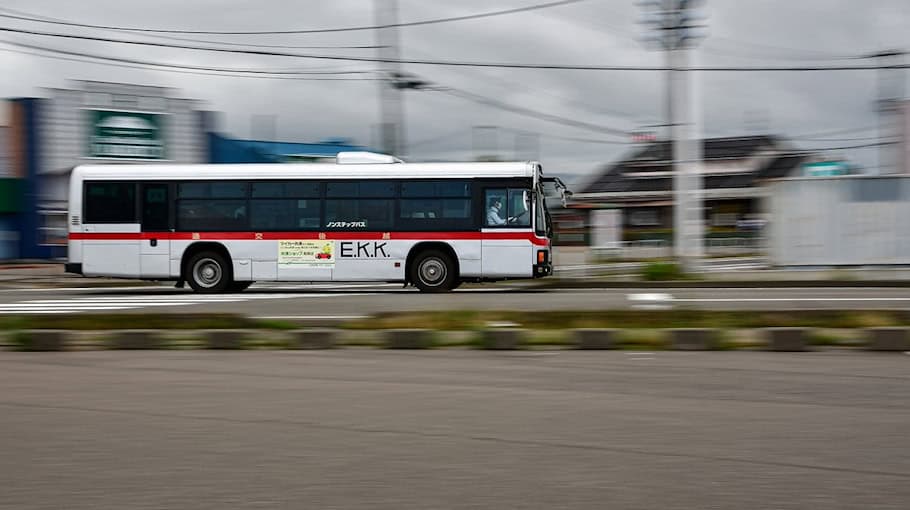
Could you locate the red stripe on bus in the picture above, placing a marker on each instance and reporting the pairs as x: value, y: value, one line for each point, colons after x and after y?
x: 331, y: 236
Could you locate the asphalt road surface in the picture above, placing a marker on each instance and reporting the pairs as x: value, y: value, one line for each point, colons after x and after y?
x: 370, y: 429
x: 321, y: 301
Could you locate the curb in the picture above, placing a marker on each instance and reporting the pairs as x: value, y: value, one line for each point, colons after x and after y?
x: 718, y: 284
x: 884, y: 340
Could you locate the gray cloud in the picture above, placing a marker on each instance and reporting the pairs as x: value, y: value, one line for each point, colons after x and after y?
x: 766, y: 32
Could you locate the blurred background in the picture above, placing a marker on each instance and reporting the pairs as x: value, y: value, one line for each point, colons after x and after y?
x: 752, y: 92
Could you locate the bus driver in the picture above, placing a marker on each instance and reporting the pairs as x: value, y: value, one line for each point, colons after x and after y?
x: 493, y: 217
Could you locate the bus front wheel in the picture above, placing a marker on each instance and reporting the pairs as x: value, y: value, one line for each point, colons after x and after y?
x: 433, y: 271
x: 208, y: 272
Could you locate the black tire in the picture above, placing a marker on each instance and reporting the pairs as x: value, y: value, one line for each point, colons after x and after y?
x: 433, y: 271
x: 239, y: 286
x: 208, y: 272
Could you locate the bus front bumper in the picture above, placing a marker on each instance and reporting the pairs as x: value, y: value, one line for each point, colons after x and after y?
x: 541, y: 270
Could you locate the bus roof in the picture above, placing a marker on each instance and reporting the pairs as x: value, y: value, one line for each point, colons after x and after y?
x: 305, y: 170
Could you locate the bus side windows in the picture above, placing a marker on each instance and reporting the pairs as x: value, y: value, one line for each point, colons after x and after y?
x: 110, y: 202
x: 437, y: 204
x: 212, y: 215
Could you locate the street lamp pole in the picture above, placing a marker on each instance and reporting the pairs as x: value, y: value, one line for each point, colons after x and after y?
x: 675, y: 26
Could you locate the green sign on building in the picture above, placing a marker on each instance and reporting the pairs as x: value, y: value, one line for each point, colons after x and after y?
x: 125, y: 135
x: 826, y: 168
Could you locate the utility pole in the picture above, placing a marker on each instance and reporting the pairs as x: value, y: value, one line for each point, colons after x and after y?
x: 391, y: 108
x: 675, y: 26
x: 891, y: 90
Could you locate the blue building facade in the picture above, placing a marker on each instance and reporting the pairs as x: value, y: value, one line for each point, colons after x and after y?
x: 230, y: 150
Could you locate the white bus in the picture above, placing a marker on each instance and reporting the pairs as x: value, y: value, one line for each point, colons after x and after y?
x: 220, y: 228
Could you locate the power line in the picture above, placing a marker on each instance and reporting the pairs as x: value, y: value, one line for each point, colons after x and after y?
x: 520, y: 110
x: 40, y: 18
x: 143, y: 64
x: 848, y: 147
x: 436, y: 21
x: 523, y: 85
x: 835, y: 132
x: 853, y: 139
x: 455, y: 63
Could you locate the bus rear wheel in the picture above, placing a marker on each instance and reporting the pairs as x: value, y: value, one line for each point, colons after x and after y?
x: 208, y: 272
x: 433, y: 271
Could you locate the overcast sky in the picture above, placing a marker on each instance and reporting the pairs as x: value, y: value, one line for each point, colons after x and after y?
x: 741, y: 33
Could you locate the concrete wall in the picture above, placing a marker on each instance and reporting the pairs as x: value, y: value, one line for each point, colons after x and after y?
x: 840, y: 221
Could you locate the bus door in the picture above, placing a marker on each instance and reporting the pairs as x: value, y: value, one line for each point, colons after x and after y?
x: 155, y: 245
x: 110, y: 229
x: 506, y: 247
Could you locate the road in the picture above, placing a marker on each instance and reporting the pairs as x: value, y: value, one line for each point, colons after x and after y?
x: 333, y: 300
x: 379, y: 430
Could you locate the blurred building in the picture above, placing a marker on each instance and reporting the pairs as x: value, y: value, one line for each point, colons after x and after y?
x: 91, y: 122
x: 848, y: 220
x: 904, y: 138
x: 640, y: 187
x: 10, y: 201
x: 107, y: 123
x: 230, y: 150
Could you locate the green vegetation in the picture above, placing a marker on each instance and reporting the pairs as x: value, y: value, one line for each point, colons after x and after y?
x: 662, y: 271
x: 635, y: 319
x: 139, y: 321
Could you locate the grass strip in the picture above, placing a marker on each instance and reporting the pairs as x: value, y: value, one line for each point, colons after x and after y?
x: 635, y: 319
x: 139, y: 321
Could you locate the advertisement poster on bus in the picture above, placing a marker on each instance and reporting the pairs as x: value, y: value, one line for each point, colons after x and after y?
x: 306, y: 253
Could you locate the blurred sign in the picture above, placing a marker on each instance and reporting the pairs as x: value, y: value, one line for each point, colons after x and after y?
x: 643, y: 137
x: 125, y: 135
x: 606, y: 227
x: 826, y: 168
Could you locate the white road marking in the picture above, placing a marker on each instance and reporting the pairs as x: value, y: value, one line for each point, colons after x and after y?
x: 650, y: 297
x: 801, y: 299
x: 312, y: 317
x: 107, y: 303
x: 77, y: 289
x: 650, y: 301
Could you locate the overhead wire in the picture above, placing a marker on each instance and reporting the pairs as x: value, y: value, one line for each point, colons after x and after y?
x: 79, y: 56
x: 209, y: 41
x: 523, y: 85
x: 461, y: 63
x: 520, y: 110
x: 488, y: 14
